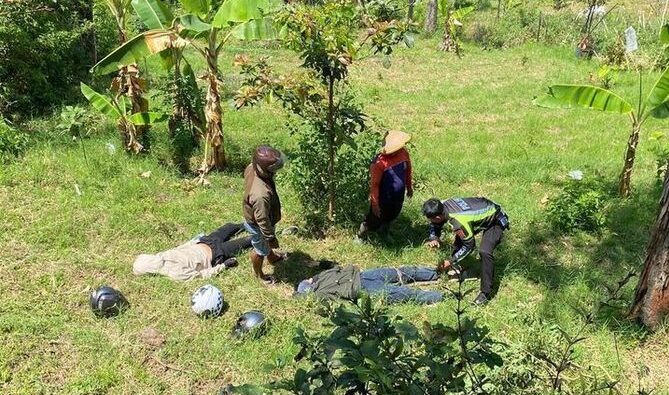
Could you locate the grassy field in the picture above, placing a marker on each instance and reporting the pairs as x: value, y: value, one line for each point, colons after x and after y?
x: 475, y: 133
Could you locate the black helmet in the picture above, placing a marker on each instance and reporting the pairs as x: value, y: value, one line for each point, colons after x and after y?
x: 253, y: 322
x: 107, y: 302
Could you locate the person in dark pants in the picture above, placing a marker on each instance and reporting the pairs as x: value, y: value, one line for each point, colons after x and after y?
x: 467, y: 217
x: 346, y: 283
x: 203, y: 257
x: 390, y: 180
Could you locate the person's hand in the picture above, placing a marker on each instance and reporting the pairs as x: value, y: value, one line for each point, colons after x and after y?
x: 376, y: 210
x: 433, y: 243
x: 445, y: 265
x: 409, y: 193
x: 273, y: 243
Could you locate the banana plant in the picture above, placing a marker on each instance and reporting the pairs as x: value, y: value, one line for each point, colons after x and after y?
x: 119, y: 109
x: 656, y: 105
x: 205, y: 29
x: 128, y: 81
x: 452, y: 26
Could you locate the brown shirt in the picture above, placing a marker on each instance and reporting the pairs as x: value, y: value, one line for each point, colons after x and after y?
x: 261, y: 204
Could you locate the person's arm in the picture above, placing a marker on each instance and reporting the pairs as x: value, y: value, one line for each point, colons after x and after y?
x: 435, y: 231
x: 261, y: 209
x: 211, y: 272
x: 409, y: 179
x: 376, y: 174
x: 467, y: 244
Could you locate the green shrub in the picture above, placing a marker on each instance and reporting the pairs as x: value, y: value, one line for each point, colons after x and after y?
x: 580, y: 206
x: 308, y: 175
x: 46, y: 48
x: 12, y: 142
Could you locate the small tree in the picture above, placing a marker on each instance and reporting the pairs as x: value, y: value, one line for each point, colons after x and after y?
x: 656, y: 104
x: 328, y: 42
x: 206, y: 30
x: 129, y: 83
x: 452, y: 26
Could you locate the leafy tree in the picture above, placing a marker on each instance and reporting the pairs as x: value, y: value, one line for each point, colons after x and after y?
x: 206, y: 28
x: 45, y: 49
x: 327, y: 40
x: 656, y: 104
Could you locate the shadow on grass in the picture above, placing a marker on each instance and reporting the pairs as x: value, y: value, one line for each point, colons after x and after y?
x: 558, y: 260
x: 403, y: 233
x: 299, y: 266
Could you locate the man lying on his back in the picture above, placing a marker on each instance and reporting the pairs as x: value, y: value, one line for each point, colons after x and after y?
x: 199, y: 258
x: 346, y: 283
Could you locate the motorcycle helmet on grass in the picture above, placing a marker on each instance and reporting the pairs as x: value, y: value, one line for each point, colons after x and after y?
x: 107, y: 302
x: 207, y: 302
x: 252, y: 323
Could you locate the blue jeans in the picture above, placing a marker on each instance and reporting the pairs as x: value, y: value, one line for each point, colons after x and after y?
x: 258, y: 242
x: 382, y: 281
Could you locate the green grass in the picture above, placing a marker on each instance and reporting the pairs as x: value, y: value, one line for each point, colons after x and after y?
x: 475, y: 133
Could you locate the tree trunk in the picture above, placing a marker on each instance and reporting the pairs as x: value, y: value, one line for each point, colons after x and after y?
x: 412, y: 3
x: 431, y: 17
x: 651, y: 299
x: 624, y: 187
x: 214, y: 151
x: 331, y: 152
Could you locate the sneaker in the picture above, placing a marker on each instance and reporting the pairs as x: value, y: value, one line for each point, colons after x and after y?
x: 481, y: 300
x: 230, y: 262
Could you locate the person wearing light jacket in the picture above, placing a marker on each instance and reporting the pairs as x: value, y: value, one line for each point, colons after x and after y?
x: 203, y: 257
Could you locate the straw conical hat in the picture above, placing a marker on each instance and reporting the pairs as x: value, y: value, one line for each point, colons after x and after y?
x: 395, y: 140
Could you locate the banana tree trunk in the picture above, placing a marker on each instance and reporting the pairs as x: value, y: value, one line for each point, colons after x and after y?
x: 449, y: 42
x: 624, y: 186
x: 128, y: 84
x: 214, y: 150
x: 651, y: 299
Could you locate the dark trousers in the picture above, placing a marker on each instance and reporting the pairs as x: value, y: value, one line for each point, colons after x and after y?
x: 489, y: 241
x: 221, y: 246
x: 384, y: 280
x: 390, y: 209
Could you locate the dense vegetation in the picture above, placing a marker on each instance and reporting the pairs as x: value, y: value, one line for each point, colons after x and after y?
x: 75, y: 208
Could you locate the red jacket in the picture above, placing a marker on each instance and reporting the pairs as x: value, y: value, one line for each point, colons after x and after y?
x: 383, y: 163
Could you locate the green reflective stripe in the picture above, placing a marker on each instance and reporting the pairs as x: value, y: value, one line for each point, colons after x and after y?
x: 467, y: 220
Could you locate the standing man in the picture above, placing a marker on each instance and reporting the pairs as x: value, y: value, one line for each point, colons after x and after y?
x: 390, y: 179
x: 467, y: 217
x: 262, y: 207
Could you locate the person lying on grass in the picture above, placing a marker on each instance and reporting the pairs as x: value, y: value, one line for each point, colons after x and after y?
x: 346, y: 283
x: 466, y: 217
x: 203, y: 257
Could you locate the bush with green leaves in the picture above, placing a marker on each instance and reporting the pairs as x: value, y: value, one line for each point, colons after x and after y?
x: 12, y: 142
x: 45, y: 48
x: 581, y: 205
x: 368, y: 351
x: 386, y: 10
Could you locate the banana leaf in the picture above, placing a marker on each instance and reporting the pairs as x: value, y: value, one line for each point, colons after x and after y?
x: 100, y: 102
x: 154, y: 14
x: 568, y: 96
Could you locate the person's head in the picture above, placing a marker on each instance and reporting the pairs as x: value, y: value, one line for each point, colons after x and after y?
x: 433, y: 209
x: 304, y: 287
x: 268, y: 160
x: 395, y: 141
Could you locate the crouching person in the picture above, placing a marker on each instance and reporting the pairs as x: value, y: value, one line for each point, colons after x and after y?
x: 346, y: 283
x: 262, y: 208
x: 199, y: 258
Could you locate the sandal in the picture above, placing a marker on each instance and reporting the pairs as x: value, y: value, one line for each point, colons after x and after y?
x: 268, y: 280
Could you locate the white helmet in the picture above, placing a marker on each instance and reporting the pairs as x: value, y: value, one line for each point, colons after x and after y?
x: 207, y: 301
